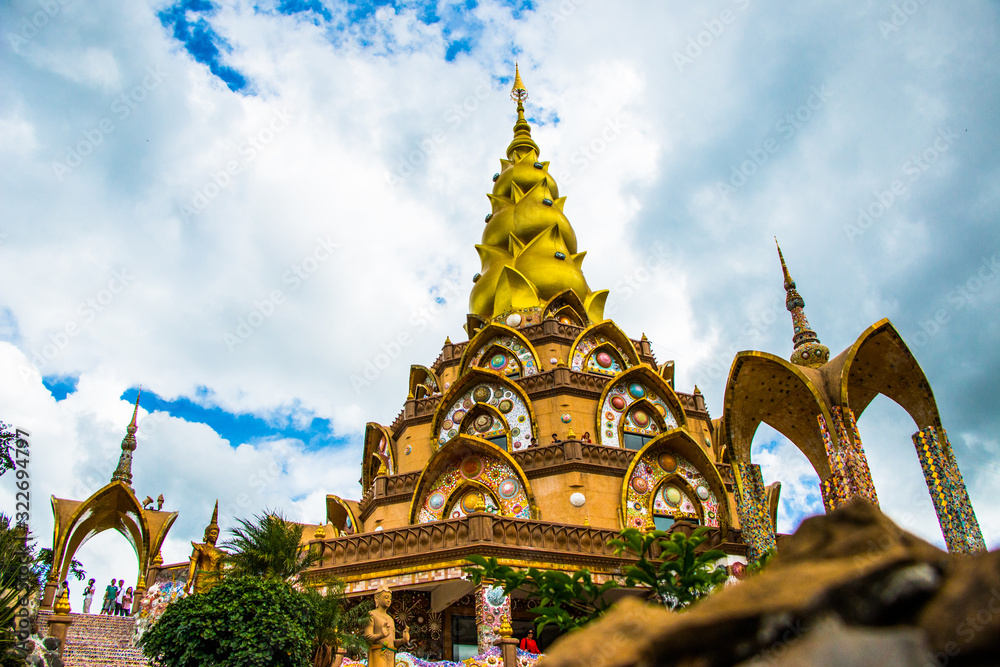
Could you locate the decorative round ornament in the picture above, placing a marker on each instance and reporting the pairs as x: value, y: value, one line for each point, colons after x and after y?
x: 483, y: 422
x: 498, y: 393
x: 436, y: 500
x: 481, y: 394
x: 672, y: 495
x: 560, y: 255
x: 668, y: 462
x: 604, y: 360
x: 577, y: 499
x: 476, y: 277
x: 447, y: 424
x: 495, y: 596
x: 471, y: 467
x: 636, y: 390
x: 467, y: 403
x: 609, y: 415
x: 498, y: 361
x: 553, y: 361
x: 458, y: 416
x: 566, y: 418
x: 702, y: 492
x: 452, y: 433
x: 506, y: 405
x: 618, y: 402
x: 409, y: 448
x: 609, y: 434
x: 640, y: 485
x: 456, y: 514
x: 640, y: 418
x: 513, y: 319
x: 470, y: 500
x: 521, y: 419
x: 508, y: 488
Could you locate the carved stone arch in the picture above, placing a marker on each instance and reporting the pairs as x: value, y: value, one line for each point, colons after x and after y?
x: 474, y: 420
x: 566, y: 304
x: 342, y: 514
x: 459, y: 495
x: 689, y: 456
x: 483, y: 346
x: 880, y: 362
x: 765, y: 388
x: 637, y: 383
x: 595, y: 335
x: 477, y: 386
x: 468, y: 458
x: 379, y: 448
x: 683, y: 485
x: 423, y: 382
x: 654, y: 425
x: 113, y: 507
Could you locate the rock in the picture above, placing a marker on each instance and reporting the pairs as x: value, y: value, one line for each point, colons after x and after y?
x: 50, y: 644
x: 53, y: 660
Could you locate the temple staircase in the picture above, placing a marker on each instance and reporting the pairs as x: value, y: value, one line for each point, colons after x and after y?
x: 98, y: 641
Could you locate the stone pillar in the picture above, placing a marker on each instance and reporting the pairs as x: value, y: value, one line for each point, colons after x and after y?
x: 508, y: 645
x: 492, y: 610
x: 948, y: 492
x: 751, y: 506
x: 860, y: 472
x: 60, y: 621
x: 48, y: 597
x: 850, y: 475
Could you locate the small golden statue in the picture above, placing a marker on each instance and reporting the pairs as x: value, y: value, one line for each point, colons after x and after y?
x: 206, y: 559
x: 381, y: 631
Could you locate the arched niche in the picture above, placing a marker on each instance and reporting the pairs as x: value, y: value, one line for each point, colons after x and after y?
x: 423, y: 382
x: 566, y: 307
x: 466, y: 498
x: 501, y: 349
x: 342, y: 514
x: 638, y: 384
x: 467, y: 461
x: 113, y: 507
x: 380, y: 449
x: 479, y: 388
x: 598, y: 340
x: 674, y: 458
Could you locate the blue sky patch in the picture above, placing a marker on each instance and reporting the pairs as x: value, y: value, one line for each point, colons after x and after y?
x: 187, y: 20
x: 290, y: 7
x: 60, y: 386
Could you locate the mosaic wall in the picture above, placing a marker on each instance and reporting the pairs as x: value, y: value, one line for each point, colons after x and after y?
x: 947, y: 488
x: 861, y: 476
x: 495, y: 474
x: 832, y: 488
x: 755, y: 519
x: 492, y: 607
x: 516, y: 417
x: 603, y: 362
x: 515, y: 359
x: 850, y: 475
x: 616, y: 408
x: 468, y: 502
x: 670, y: 499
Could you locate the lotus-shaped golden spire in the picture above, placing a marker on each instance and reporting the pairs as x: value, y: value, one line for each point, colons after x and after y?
x: 528, y: 251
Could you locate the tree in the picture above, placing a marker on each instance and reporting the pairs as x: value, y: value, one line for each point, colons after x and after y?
x: 266, y: 546
x: 44, y: 562
x: 244, y: 621
x: 335, y: 626
x: 19, y: 580
x: 8, y: 439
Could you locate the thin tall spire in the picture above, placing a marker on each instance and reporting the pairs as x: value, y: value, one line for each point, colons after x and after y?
x: 807, y: 349
x: 522, y: 142
x: 123, y: 473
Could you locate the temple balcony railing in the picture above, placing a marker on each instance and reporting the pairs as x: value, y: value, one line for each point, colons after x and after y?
x: 567, y: 455
x: 387, y: 489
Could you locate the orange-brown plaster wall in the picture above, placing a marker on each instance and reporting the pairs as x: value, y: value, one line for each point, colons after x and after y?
x: 602, y: 492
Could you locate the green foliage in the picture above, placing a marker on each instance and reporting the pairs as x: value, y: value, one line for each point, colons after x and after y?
x: 8, y: 439
x: 44, y: 562
x: 266, y: 546
x: 564, y: 600
x: 683, y: 576
x: 764, y: 560
x: 19, y: 579
x: 244, y: 621
x: 334, y: 624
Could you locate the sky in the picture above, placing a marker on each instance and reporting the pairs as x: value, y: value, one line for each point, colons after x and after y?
x: 264, y: 212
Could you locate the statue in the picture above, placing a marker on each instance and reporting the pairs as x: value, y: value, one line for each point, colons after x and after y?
x: 206, y: 559
x: 381, y: 631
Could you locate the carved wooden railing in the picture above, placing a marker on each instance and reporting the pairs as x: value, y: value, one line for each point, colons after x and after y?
x: 387, y: 489
x: 415, y: 411
x: 573, y: 454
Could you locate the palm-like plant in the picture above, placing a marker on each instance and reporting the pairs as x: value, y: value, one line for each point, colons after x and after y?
x: 336, y: 625
x: 266, y: 546
x: 44, y: 562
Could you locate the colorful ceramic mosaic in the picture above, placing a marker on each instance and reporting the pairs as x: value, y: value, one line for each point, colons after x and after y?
x: 492, y: 608
x: 831, y: 488
x: 490, y: 658
x: 155, y: 601
x: 385, y: 454
x: 850, y: 475
x: 669, y: 485
x: 494, y: 473
x: 515, y: 358
x: 604, y: 362
x: 948, y: 492
x: 751, y: 505
x: 467, y: 503
x: 510, y: 411
x: 616, y: 409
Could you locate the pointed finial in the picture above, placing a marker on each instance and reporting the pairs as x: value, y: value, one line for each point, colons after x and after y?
x: 807, y: 349
x: 522, y: 144
x: 320, y: 533
x: 505, y: 629
x: 123, y: 473
x: 696, y: 390
x: 215, y: 514
x: 644, y: 336
x: 382, y: 470
x: 518, y: 92
x: 135, y: 412
x: 586, y: 522
x: 447, y: 340
x: 789, y: 283
x: 62, y: 604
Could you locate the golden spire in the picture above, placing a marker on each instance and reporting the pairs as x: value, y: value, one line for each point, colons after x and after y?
x: 123, y: 473
x: 213, y: 524
x: 528, y: 251
x: 807, y: 349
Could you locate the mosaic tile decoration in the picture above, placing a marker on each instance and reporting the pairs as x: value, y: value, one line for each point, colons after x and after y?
x: 751, y: 505
x: 861, y: 475
x: 467, y: 504
x: 657, y: 472
x: 948, y: 492
x: 516, y: 360
x: 850, y: 475
x: 492, y: 607
x: 515, y: 414
x: 608, y: 364
x: 490, y: 658
x: 386, y: 455
x: 494, y: 473
x: 616, y: 407
x: 832, y: 488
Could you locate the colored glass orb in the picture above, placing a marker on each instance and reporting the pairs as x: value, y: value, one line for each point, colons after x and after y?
x: 603, y: 359
x: 672, y: 495
x: 498, y: 361
x: 547, y: 202
x: 640, y: 418
x: 617, y: 402
x: 495, y: 177
x: 566, y: 418
x: 636, y: 390
x: 488, y: 217
x: 539, y: 165
x: 476, y: 277
x: 560, y: 255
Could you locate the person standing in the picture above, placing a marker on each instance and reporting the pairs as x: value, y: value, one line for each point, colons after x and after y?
x: 127, y: 602
x: 528, y: 643
x: 88, y: 596
x: 118, y: 598
x: 109, y: 598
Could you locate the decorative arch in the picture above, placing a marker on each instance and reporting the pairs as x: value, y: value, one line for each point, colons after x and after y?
x: 113, y: 507
x: 566, y: 307
x: 603, y: 338
x: 464, y: 500
x: 674, y: 458
x: 501, y: 349
x: 640, y: 383
x: 342, y: 514
x: 642, y: 417
x: 470, y: 462
x: 423, y: 382
x: 765, y: 388
x: 380, y: 448
x: 501, y: 397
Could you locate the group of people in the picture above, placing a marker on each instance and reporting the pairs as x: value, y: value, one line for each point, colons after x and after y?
x: 117, y: 598
x: 556, y: 440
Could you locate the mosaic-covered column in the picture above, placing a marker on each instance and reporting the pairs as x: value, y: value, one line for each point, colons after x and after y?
x: 492, y: 608
x: 947, y: 488
x: 751, y: 506
x: 833, y: 488
x: 847, y: 461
